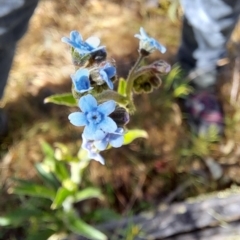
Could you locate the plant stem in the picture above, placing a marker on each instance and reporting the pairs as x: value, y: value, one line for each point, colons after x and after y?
x: 112, y: 95
x: 130, y: 78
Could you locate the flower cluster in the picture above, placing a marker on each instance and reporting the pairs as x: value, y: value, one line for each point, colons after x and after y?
x: 105, y: 112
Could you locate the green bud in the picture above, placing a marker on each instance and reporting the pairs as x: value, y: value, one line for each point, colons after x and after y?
x: 155, y: 81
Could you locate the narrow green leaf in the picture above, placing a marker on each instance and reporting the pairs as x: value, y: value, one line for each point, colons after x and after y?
x: 35, y: 190
x: 18, y: 217
x: 172, y: 76
x: 88, y: 193
x: 101, y: 215
x: 79, y: 227
x: 122, y: 86
x: 41, y: 235
x: 47, y: 149
x: 65, y: 99
x: 182, y: 90
x: 61, y: 171
x: 133, y: 134
x: 61, y: 195
x: 47, y: 177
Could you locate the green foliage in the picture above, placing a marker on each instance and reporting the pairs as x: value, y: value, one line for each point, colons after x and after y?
x: 122, y: 86
x: 32, y: 189
x: 65, y: 99
x: 201, y: 145
x: 134, y: 134
x: 48, y: 204
x: 76, y: 225
x: 103, y: 215
x: 132, y: 232
x: 56, y: 214
x: 176, y: 84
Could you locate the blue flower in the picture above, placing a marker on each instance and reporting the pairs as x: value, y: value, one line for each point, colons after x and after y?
x: 89, y: 46
x: 103, y: 74
x: 114, y: 139
x: 147, y: 43
x: 81, y: 81
x: 93, y: 152
x: 94, y: 117
x: 107, y: 72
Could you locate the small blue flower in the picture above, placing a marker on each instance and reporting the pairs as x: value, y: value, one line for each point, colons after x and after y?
x: 114, y: 139
x: 81, y: 81
x: 94, y: 117
x: 93, y: 152
x: 107, y: 72
x: 89, y: 46
x: 103, y: 74
x: 147, y: 43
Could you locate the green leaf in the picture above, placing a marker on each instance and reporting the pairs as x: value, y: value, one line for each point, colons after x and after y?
x: 61, y: 195
x: 35, y: 190
x: 182, y: 90
x: 41, y: 235
x: 18, y: 217
x: 122, y: 86
x: 77, y: 226
x: 103, y: 215
x: 65, y: 99
x: 47, y: 176
x: 61, y: 171
x: 172, y: 76
x: 133, y: 134
x: 88, y: 193
x: 47, y: 149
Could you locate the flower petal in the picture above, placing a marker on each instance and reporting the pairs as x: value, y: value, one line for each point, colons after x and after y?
x: 106, y: 79
x: 76, y: 37
x: 107, y: 107
x: 93, y: 42
x: 108, y: 125
x: 77, y: 119
x: 82, y: 72
x: 97, y: 49
x: 111, y: 71
x: 97, y: 157
x: 138, y: 36
x: 93, y: 153
x: 116, y: 141
x: 143, y: 33
x: 87, y: 103
x: 82, y: 51
x: 93, y: 132
x: 160, y: 47
x: 85, y: 143
x: 69, y: 42
x: 101, y: 144
x: 81, y: 81
x: 82, y: 85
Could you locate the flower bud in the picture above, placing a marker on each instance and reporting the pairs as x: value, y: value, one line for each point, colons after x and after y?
x: 120, y: 116
x: 155, y: 81
x: 160, y: 66
x: 99, y: 56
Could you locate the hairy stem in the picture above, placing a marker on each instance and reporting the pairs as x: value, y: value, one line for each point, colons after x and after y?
x: 130, y: 78
x: 112, y: 95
